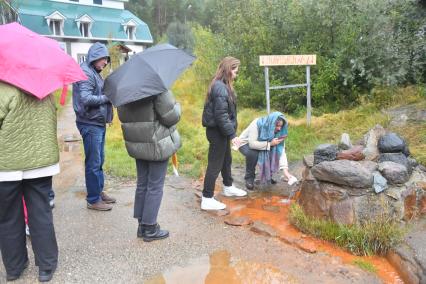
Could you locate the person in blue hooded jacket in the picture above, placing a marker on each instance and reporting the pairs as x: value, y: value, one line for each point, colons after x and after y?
x: 262, y: 143
x: 93, y: 111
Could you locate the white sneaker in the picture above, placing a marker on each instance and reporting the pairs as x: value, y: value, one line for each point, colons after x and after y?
x: 52, y: 203
x: 27, y: 230
x: 211, y: 204
x: 233, y: 191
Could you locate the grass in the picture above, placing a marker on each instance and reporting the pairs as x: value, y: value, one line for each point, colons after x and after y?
x: 365, y: 265
x: 117, y: 161
x: 190, y: 91
x: 372, y: 237
x: 57, y: 96
x: 302, y: 139
x: 415, y: 134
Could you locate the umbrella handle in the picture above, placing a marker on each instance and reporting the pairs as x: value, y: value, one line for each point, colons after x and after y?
x: 63, y: 95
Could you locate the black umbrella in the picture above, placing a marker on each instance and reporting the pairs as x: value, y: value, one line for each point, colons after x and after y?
x: 146, y: 74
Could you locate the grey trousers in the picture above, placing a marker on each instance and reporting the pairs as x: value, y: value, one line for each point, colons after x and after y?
x: 40, y: 220
x: 149, y: 190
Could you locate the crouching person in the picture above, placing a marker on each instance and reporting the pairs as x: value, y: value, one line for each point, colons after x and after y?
x: 262, y: 143
x: 151, y: 137
x: 29, y: 157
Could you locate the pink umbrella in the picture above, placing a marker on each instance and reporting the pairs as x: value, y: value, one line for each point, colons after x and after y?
x: 34, y: 63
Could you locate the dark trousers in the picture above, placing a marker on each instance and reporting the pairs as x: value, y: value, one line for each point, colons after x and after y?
x: 94, y: 143
x: 251, y: 162
x: 40, y: 221
x: 219, y: 161
x: 149, y: 190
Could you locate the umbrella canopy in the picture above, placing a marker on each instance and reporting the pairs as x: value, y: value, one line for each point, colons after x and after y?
x: 146, y: 74
x: 34, y: 63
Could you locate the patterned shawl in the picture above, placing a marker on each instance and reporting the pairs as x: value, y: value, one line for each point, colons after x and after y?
x: 269, y: 161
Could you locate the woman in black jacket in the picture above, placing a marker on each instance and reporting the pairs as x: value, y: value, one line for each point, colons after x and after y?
x: 220, y: 120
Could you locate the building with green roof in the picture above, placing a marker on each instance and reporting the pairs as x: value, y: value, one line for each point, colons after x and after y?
x: 77, y: 24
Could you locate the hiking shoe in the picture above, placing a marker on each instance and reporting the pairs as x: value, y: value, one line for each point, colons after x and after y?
x: 233, y: 191
x: 151, y: 233
x: 249, y: 185
x: 107, y: 199
x: 211, y: 204
x: 13, y: 277
x: 45, y: 275
x: 100, y: 206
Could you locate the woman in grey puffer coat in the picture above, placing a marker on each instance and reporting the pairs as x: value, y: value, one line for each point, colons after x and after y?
x: 151, y: 137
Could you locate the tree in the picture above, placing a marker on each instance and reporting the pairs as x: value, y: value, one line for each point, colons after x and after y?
x: 7, y: 12
x: 180, y: 35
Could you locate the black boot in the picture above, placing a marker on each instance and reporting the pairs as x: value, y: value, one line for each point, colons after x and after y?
x: 151, y: 233
x: 140, y: 229
x: 45, y: 275
x: 249, y: 185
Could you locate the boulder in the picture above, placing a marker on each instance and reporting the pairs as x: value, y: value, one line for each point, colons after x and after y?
x: 369, y: 165
x: 353, y: 154
x: 394, y: 173
x: 312, y: 201
x: 332, y: 191
x: 325, y: 152
x: 379, y: 182
x: 370, y: 142
x: 342, y: 212
x: 308, y: 161
x: 374, y: 207
x: 391, y: 143
x: 343, y: 172
x: 399, y: 158
x: 307, y: 175
x: 345, y: 142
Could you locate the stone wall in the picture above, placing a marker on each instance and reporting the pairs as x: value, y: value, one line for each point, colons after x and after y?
x: 351, y: 184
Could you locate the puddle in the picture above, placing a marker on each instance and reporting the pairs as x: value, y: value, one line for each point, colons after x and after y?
x: 220, y: 267
x: 254, y: 208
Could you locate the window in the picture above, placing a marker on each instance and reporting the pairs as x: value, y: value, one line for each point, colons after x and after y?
x: 84, y: 29
x: 81, y: 57
x: 55, y: 22
x: 131, y: 32
x: 99, y: 2
x: 84, y: 24
x: 55, y: 27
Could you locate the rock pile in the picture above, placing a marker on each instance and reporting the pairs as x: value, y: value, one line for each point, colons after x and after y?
x: 354, y: 183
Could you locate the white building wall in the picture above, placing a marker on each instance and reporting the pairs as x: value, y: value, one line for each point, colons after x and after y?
x: 79, y: 48
x: 105, y: 3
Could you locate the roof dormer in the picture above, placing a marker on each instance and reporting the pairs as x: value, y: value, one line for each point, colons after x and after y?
x: 55, y: 21
x: 130, y: 26
x: 84, y: 24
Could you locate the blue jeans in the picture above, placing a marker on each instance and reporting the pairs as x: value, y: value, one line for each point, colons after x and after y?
x: 94, y: 142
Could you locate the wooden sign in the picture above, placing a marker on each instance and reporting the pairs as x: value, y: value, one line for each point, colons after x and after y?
x: 282, y: 60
